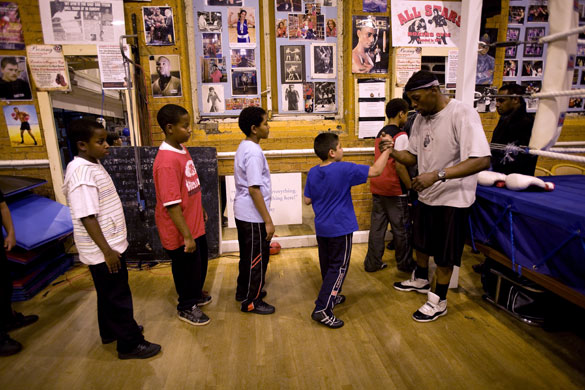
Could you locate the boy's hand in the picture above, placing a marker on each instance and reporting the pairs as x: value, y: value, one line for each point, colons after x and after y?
x: 9, y: 241
x: 113, y: 261
x: 269, y: 231
x: 190, y: 245
x: 205, y: 216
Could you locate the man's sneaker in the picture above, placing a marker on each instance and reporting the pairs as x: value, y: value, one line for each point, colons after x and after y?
x: 378, y: 267
x: 241, y: 298
x: 9, y: 346
x: 204, y: 300
x: 108, y: 340
x: 259, y: 307
x: 430, y: 311
x: 414, y: 284
x: 143, y: 350
x: 194, y: 316
x: 328, y: 320
x: 339, y: 299
x: 19, y: 321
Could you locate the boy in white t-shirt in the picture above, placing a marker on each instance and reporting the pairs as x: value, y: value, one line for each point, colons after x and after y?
x: 99, y: 230
x: 251, y: 205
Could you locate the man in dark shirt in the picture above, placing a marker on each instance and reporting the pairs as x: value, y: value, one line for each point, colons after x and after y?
x: 11, y: 87
x: 514, y: 127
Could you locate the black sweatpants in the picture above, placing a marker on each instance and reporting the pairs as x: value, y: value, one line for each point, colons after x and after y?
x: 334, y: 255
x: 189, y: 272
x: 5, y: 290
x: 254, y: 256
x: 114, y: 303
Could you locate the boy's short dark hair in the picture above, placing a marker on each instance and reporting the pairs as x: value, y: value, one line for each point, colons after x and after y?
x: 250, y: 116
x: 396, y: 106
x: 81, y: 130
x: 170, y: 114
x: 325, y: 142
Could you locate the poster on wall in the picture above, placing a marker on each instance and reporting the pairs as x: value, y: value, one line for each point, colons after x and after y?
x: 11, y: 37
x: 14, y: 81
x: 244, y: 82
x: 82, y: 22
x: 213, y: 98
x: 371, y: 47
x: 426, y: 23
x: 408, y: 62
x: 325, y: 97
x: 159, y: 26
x: 292, y: 60
x: 225, y: 2
x: 213, y: 70
x: 375, y: 5
x: 281, y: 28
x: 242, y: 26
x: 209, y: 21
x: 111, y: 64
x: 292, y: 98
x: 23, y: 125
x: 48, y: 67
x: 165, y: 76
x: 323, y: 61
x: 243, y: 58
x: 289, y: 5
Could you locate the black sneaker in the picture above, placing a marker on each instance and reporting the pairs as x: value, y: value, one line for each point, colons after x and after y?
x: 144, y: 350
x: 379, y: 267
x: 9, y: 346
x: 19, y: 321
x: 204, y: 300
x: 241, y: 298
x: 259, y: 307
x: 194, y: 316
x: 107, y: 340
x: 339, y: 299
x: 328, y: 320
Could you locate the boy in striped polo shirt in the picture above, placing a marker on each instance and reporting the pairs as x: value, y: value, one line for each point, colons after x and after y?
x: 99, y: 230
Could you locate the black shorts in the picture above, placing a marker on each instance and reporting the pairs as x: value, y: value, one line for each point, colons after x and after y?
x: 24, y: 126
x: 440, y: 231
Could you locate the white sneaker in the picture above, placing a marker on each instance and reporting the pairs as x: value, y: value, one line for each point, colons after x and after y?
x: 414, y: 284
x: 430, y: 311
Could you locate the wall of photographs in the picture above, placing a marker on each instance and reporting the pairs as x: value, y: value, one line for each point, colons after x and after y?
x: 524, y: 64
x: 576, y: 104
x: 227, y: 47
x: 306, y: 56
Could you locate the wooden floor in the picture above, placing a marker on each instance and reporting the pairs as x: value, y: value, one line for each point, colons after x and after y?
x: 475, y: 346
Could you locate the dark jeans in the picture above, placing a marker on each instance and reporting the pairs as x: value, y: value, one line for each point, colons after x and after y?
x: 254, y: 257
x: 189, y: 272
x: 114, y: 303
x: 334, y: 255
x: 5, y: 291
x: 393, y: 209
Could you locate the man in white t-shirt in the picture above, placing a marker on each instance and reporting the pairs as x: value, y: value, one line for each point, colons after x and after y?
x: 448, y: 143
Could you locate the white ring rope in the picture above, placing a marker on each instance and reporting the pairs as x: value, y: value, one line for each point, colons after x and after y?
x: 512, y: 150
x: 558, y: 156
x: 570, y: 143
x: 561, y: 35
x: 569, y: 92
x: 567, y: 150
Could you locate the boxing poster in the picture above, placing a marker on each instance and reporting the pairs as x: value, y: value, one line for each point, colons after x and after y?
x: 426, y: 23
x: 23, y: 125
x: 48, y: 67
x: 11, y: 37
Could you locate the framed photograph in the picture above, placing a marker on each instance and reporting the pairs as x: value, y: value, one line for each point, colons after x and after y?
x: 23, y: 125
x: 242, y: 26
x: 281, y: 28
x: 323, y: 61
x: 576, y: 103
x: 575, y: 76
x: 82, y: 22
x: 213, y: 98
x: 289, y: 5
x: 292, y: 95
x: 244, y: 82
x: 371, y: 44
x: 14, y: 80
x: 159, y: 27
x: 243, y: 58
x: 11, y: 37
x: 165, y: 76
x: 532, y: 68
x: 510, y: 52
x: 213, y: 70
x: 510, y: 68
x: 533, y: 50
x: 512, y: 34
x: 331, y: 29
x: 325, y: 97
x: 209, y: 21
x: 294, y: 30
x: 312, y: 8
x: 292, y: 61
x: 516, y: 15
x: 537, y: 13
x: 309, y: 95
x: 534, y: 33
x: 212, y: 45
x: 309, y: 27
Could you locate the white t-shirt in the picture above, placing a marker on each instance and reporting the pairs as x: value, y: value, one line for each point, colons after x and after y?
x: 89, y: 190
x: 250, y: 169
x: 443, y: 140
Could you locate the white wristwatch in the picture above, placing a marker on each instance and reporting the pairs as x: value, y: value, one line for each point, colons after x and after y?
x: 442, y: 175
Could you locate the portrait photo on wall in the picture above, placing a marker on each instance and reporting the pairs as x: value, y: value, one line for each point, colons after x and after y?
x: 244, y: 82
x: 23, y: 125
x: 213, y: 70
x: 242, y: 26
x: 312, y: 8
x: 309, y: 95
x: 209, y: 21
x: 537, y: 13
x: 292, y: 98
x: 213, y: 98
x: 281, y: 30
x: 159, y: 26
x: 292, y: 62
x: 289, y: 5
x: 510, y: 68
x: 212, y: 45
x: 323, y: 61
x: 370, y: 53
x: 324, y: 97
x: 532, y: 68
x: 516, y: 15
x: 165, y: 76
x: 243, y: 58
x: 331, y: 29
x: 374, y: 5
x: 14, y: 81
